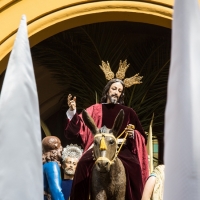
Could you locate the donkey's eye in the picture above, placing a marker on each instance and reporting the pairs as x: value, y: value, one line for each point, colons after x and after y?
x: 95, y: 142
x: 111, y: 141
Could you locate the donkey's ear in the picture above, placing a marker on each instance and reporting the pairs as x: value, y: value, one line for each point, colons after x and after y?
x: 89, y: 122
x: 118, y: 123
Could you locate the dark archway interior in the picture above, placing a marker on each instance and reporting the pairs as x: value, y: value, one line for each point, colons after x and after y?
x: 68, y: 62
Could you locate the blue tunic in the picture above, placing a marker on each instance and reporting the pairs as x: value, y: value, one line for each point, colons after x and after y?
x: 52, y: 180
x: 66, y: 188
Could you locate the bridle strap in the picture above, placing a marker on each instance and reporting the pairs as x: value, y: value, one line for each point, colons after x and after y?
x: 105, y: 134
x: 104, y: 159
x: 117, y: 152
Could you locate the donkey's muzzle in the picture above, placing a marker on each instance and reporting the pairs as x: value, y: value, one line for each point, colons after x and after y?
x: 103, y: 165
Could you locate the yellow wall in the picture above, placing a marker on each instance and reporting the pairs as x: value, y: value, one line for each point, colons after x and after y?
x: 48, y: 17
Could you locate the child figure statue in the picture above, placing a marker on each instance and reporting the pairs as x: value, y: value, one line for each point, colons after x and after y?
x: 52, y: 150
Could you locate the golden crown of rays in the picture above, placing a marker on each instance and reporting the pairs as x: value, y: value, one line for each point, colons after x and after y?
x: 123, y: 66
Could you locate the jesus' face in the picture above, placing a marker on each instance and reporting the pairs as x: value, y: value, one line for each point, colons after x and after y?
x: 114, y: 92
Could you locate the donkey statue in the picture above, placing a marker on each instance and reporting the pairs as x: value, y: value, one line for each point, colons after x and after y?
x: 108, y: 180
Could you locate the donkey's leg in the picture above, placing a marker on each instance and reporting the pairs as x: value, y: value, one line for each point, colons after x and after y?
x: 98, y: 193
x: 120, y: 181
x: 101, y: 195
x: 98, y: 186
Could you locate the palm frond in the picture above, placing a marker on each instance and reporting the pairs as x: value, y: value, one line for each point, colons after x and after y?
x: 73, y: 57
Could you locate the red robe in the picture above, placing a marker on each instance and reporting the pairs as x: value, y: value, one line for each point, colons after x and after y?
x: 133, y: 155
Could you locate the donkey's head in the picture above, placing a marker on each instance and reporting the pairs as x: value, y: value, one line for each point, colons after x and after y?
x: 105, y: 144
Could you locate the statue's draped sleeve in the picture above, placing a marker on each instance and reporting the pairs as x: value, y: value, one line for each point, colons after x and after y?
x: 77, y: 130
x: 137, y: 145
x: 142, y: 155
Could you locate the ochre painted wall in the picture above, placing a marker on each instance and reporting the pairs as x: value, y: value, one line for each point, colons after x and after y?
x: 48, y: 17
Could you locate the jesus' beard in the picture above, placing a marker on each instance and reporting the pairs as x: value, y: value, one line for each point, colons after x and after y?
x: 113, y: 99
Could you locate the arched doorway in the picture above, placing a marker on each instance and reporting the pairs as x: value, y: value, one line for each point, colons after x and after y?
x: 47, y: 20
x: 45, y: 23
